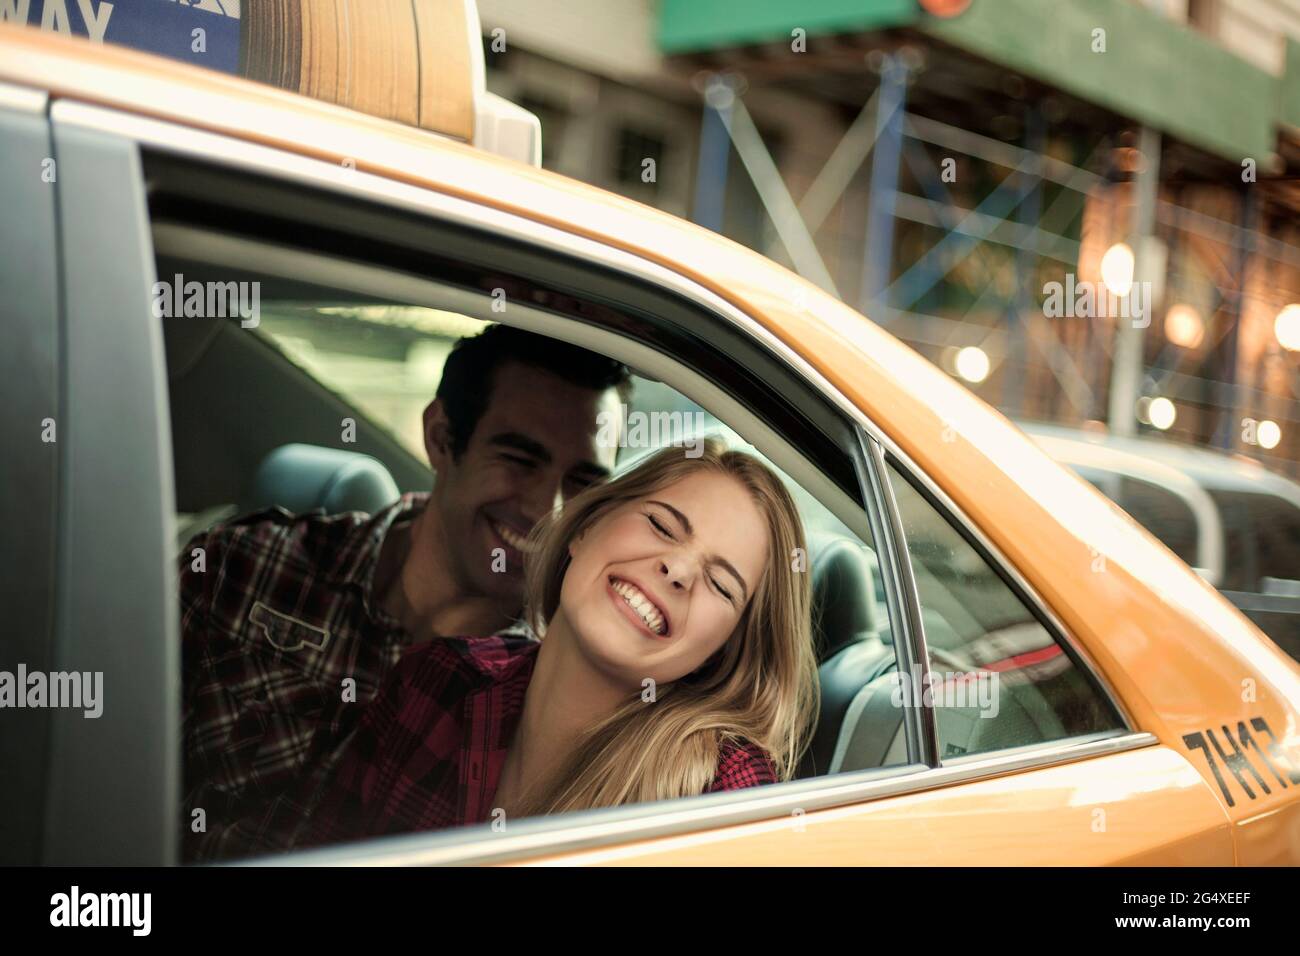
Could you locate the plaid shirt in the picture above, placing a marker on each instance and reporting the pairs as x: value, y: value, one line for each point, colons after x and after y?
x: 280, y: 616
x: 430, y: 748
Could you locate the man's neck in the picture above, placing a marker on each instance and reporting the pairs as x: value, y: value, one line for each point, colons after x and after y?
x: 415, y: 585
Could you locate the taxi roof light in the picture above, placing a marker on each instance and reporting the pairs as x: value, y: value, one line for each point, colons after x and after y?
x: 418, y: 62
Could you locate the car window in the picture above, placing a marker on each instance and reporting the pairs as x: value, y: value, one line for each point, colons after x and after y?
x: 1262, y: 538
x: 324, y: 373
x: 1162, y: 513
x: 387, y: 360
x: 998, y: 678
x: 384, y: 359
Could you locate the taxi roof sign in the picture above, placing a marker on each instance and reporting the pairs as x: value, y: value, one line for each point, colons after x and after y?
x: 418, y: 62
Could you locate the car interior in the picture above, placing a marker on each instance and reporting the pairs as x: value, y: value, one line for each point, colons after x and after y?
x: 274, y: 441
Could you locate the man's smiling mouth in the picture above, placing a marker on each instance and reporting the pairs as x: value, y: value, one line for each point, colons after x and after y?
x: 509, y: 536
x: 641, y: 605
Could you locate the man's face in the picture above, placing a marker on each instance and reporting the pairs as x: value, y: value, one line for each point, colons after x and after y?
x: 534, y: 448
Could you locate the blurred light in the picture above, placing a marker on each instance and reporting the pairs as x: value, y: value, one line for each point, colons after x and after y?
x: 972, y: 364
x: 1268, y: 434
x: 1287, y: 327
x: 944, y: 8
x: 1162, y: 413
x: 424, y: 361
x: 1183, y: 326
x: 1117, y: 269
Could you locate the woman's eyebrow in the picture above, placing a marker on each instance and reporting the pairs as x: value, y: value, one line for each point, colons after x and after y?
x: 720, y: 561
x: 731, y: 569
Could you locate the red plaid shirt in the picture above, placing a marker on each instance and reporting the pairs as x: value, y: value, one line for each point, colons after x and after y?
x: 280, y: 616
x: 431, y: 746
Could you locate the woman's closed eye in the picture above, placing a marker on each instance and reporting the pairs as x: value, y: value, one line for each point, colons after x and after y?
x: 663, y: 530
x: 660, y: 527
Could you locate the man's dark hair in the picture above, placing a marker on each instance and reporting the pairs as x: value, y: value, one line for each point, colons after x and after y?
x: 469, y: 375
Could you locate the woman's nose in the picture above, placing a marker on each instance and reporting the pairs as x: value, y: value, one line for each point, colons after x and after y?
x: 677, y: 571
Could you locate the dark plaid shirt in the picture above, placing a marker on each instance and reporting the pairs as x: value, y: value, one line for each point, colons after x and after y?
x: 280, y: 616
x: 431, y: 746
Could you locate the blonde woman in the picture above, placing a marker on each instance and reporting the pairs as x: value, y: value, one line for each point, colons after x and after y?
x: 675, y: 659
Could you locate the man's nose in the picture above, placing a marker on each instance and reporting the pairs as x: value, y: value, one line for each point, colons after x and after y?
x: 542, y: 497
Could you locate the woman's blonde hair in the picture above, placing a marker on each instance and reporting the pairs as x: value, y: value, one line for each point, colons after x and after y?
x: 760, y: 687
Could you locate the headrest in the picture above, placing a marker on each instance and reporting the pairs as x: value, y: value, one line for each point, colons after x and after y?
x: 304, y: 477
x: 844, y: 593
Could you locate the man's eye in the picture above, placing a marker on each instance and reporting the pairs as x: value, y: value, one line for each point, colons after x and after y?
x: 659, y: 526
x: 519, y: 460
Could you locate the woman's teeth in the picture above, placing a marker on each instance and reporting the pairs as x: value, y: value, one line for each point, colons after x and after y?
x: 643, y: 606
x: 518, y: 542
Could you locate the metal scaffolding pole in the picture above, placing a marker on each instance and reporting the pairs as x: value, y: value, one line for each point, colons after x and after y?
x: 1013, y: 383
x: 1126, y: 366
x: 709, y: 206
x: 878, y: 256
x: 1225, y: 432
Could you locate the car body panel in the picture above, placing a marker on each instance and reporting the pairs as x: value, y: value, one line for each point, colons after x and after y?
x: 1143, y: 808
x: 1181, y: 659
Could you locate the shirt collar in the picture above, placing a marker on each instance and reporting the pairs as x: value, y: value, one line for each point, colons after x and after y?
x: 501, y: 657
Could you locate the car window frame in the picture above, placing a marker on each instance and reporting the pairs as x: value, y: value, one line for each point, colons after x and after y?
x: 113, y: 783
x: 531, y: 838
x: 29, y: 498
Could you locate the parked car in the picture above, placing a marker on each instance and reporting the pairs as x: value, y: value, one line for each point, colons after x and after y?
x: 946, y: 543
x: 1233, y: 520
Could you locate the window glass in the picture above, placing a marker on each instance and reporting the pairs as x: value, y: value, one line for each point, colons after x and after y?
x: 1263, y: 538
x: 1262, y: 557
x: 322, y: 376
x: 1162, y: 513
x: 998, y: 677
x: 384, y: 359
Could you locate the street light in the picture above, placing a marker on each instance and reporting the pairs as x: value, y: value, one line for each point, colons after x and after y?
x: 1183, y: 326
x: 1268, y: 434
x: 1117, y: 269
x: 972, y: 364
x: 1287, y: 327
x: 1161, y: 413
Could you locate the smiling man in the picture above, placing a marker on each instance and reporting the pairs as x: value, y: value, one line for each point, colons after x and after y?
x: 290, y: 623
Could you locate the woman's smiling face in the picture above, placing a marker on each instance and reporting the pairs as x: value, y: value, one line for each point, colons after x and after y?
x: 657, y: 585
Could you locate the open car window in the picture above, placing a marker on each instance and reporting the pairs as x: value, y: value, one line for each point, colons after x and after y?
x: 330, y: 370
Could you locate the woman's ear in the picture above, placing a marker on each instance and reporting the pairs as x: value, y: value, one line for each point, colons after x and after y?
x: 575, y: 541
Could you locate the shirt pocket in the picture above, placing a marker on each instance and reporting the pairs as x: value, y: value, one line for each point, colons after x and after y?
x: 283, y: 720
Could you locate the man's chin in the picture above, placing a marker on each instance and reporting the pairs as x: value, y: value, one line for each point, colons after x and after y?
x: 506, y: 587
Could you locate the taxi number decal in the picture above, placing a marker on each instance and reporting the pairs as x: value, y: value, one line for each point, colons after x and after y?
x: 1235, y: 758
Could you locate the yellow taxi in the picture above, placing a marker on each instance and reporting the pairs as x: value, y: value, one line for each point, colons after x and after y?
x: 1012, y: 671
